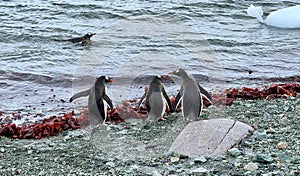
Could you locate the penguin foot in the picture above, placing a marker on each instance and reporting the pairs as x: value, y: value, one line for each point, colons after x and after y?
x: 146, y: 127
x: 163, y: 119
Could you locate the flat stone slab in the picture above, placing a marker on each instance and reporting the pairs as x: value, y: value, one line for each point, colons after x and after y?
x: 209, y: 137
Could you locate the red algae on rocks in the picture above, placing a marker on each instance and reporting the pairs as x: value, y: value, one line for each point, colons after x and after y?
x: 271, y: 92
x: 49, y: 127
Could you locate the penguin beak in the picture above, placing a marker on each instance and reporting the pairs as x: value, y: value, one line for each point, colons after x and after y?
x: 93, y: 34
x: 172, y: 73
x: 146, y: 88
x: 164, y: 76
x: 111, y: 80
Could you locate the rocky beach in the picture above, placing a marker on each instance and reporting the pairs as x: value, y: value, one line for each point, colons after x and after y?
x: 126, y: 149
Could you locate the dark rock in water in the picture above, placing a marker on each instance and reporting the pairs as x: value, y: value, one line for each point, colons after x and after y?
x: 209, y: 137
x: 262, y: 158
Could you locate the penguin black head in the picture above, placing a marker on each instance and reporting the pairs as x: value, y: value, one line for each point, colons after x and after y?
x: 159, y: 78
x: 88, y: 36
x: 179, y: 72
x: 104, y: 79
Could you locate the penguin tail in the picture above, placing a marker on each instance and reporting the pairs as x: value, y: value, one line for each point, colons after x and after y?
x: 256, y: 12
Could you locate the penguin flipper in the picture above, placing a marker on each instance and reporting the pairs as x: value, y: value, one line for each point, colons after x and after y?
x: 80, y: 94
x: 168, y: 100
x: 177, y: 100
x: 108, y: 100
x: 142, y: 100
x: 200, y: 105
x: 102, y: 111
x: 205, y: 93
x: 148, y: 107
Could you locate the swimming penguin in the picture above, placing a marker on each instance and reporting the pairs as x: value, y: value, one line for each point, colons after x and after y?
x: 156, y: 100
x: 82, y: 40
x: 190, y: 96
x: 98, y: 100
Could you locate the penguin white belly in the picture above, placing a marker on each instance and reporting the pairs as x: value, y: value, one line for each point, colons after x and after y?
x: 164, y: 105
x: 105, y: 111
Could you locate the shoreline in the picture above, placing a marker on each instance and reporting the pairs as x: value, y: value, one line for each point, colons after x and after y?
x: 53, y: 125
x: 71, y: 152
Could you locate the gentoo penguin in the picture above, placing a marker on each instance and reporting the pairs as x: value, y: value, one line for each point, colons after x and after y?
x: 82, y: 40
x: 190, y: 96
x: 156, y: 100
x: 98, y: 100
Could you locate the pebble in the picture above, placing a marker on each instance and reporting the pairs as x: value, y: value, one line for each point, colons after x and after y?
x: 110, y: 164
x: 282, y: 145
x: 248, y: 105
x: 262, y: 158
x: 123, y: 132
x: 156, y: 173
x: 174, y: 159
x: 234, y: 152
x: 42, y: 173
x: 219, y: 158
x: 272, y: 106
x: 200, y: 159
x: 286, y: 108
x: 259, y: 135
x: 200, y: 170
x: 2, y: 149
x: 283, y: 157
x: 251, y: 167
x: 266, y: 115
x: 296, y: 160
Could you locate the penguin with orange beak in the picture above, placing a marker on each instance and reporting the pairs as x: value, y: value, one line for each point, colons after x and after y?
x: 98, y: 100
x: 190, y: 96
x: 156, y: 100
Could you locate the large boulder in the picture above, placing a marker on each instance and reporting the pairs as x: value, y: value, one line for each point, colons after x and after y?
x: 209, y: 137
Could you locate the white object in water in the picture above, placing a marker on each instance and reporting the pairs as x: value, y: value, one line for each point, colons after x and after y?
x: 284, y: 18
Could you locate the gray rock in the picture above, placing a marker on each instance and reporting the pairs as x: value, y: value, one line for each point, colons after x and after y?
x: 262, y: 158
x: 209, y: 137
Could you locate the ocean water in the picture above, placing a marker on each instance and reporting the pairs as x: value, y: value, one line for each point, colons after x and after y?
x: 214, y: 40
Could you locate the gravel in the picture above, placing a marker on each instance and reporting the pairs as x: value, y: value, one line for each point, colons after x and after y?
x: 128, y: 149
